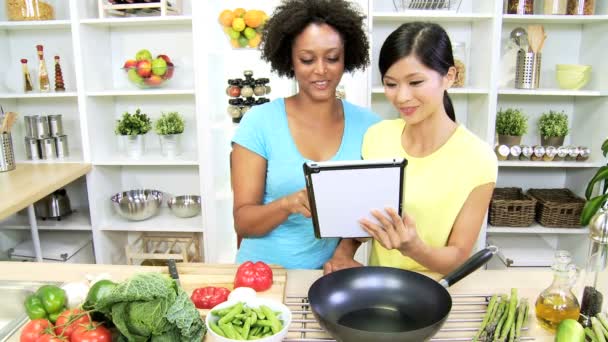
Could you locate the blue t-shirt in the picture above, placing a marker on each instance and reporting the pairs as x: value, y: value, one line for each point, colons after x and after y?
x: 264, y: 130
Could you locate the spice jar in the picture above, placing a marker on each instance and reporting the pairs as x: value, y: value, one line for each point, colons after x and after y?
x: 562, y: 152
x: 597, y: 258
x: 581, y: 7
x: 583, y: 154
x: 520, y: 7
x: 526, y: 152
x: 538, y: 153
x: 515, y: 152
x: 502, y: 152
x: 573, y: 152
x: 555, y: 6
x: 460, y: 62
x: 550, y: 153
x: 557, y: 302
x: 18, y: 10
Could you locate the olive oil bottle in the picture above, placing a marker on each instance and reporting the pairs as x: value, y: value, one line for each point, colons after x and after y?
x: 557, y: 302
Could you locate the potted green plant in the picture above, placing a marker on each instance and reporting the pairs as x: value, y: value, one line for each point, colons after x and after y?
x: 511, y: 125
x: 593, y: 204
x: 169, y: 128
x: 553, y: 128
x: 133, y: 127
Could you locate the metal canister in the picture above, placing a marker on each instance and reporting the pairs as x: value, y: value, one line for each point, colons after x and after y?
x: 526, y: 152
x: 42, y: 126
x: 550, y: 153
x: 573, y: 152
x: 32, y: 149
x: 61, y: 143
x: 55, y: 125
x: 48, y: 149
x: 502, y: 152
x: 515, y: 152
x: 30, y: 128
x: 584, y: 153
x: 539, y: 152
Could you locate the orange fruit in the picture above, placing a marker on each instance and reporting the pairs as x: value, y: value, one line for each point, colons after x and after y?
x: 238, y: 24
x: 235, y: 43
x: 239, y: 12
x: 254, y: 18
x: 255, y: 41
x: 226, y: 17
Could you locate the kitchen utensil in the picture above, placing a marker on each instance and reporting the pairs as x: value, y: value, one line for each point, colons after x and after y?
x: 8, y: 121
x: 520, y: 37
x: 385, y: 304
x: 173, y: 271
x: 527, y: 70
x: 7, y: 154
x: 137, y: 205
x: 56, y: 205
x: 185, y: 206
x: 536, y: 37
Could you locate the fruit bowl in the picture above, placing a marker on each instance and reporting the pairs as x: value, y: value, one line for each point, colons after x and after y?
x: 146, y: 71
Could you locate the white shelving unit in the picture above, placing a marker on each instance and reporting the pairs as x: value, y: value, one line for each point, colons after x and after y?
x: 93, y: 51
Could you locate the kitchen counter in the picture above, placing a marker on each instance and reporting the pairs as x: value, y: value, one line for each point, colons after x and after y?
x: 30, y: 182
x: 529, y: 282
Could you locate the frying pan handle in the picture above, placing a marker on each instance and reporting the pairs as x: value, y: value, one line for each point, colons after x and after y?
x: 472, y: 264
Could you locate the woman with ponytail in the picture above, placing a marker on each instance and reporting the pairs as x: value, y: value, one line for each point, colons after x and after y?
x: 451, y: 173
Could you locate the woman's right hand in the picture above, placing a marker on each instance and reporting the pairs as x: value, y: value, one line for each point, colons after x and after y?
x: 337, y: 263
x: 297, y: 203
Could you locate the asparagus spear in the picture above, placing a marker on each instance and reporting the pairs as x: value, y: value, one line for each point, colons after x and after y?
x: 499, y: 325
x: 511, y: 315
x: 590, y: 334
x: 597, y: 329
x: 491, y: 328
x: 491, y: 307
x: 522, y: 314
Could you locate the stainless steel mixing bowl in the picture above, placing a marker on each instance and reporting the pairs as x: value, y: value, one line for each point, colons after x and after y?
x: 137, y: 205
x: 185, y: 206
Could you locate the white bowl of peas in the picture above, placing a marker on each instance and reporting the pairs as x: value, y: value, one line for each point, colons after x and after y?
x: 248, y: 317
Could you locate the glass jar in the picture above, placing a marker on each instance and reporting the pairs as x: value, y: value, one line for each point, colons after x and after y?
x: 520, y: 7
x: 597, y: 259
x: 581, y: 7
x: 555, y: 6
x: 557, y: 302
x: 460, y: 62
x: 18, y: 10
x: 526, y: 152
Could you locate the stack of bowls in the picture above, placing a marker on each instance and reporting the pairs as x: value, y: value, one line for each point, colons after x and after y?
x: 572, y: 76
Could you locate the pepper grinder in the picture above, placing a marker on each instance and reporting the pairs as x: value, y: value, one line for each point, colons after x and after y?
x: 597, y: 259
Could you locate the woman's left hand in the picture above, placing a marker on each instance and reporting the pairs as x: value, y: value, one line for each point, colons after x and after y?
x: 393, y: 232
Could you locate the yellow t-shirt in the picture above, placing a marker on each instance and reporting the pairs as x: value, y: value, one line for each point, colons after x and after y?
x: 436, y: 186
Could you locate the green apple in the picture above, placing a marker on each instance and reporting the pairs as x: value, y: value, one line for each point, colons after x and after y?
x: 143, y: 54
x: 249, y: 33
x: 134, y: 77
x: 159, y: 66
x: 243, y: 41
x: 233, y: 34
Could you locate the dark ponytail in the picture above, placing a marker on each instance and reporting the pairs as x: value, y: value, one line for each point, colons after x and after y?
x: 429, y: 43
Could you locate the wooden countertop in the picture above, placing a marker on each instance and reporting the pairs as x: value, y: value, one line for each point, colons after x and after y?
x: 30, y: 182
x: 529, y: 282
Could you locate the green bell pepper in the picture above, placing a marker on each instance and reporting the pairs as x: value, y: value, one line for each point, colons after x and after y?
x: 53, y: 298
x: 34, y: 308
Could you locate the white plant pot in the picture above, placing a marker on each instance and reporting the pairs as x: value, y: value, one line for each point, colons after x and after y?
x: 170, y: 145
x: 134, y: 145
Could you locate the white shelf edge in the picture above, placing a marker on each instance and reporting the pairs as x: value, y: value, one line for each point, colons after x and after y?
x: 548, y: 164
x: 151, y: 157
x: 35, y: 25
x: 556, y: 19
x: 430, y: 14
x: 536, y: 229
x: 78, y: 220
x: 37, y: 95
x: 551, y: 92
x: 141, y: 92
x: 451, y: 91
x: 140, y: 21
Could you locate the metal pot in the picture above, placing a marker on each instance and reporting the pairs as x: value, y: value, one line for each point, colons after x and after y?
x: 55, y: 205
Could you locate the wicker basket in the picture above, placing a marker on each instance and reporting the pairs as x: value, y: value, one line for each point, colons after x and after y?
x: 510, y: 207
x: 559, y: 208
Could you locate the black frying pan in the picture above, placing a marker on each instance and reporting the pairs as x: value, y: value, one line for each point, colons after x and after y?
x: 381, y: 304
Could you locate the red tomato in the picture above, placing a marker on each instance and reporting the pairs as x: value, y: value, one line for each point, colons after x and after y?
x: 51, y: 338
x: 94, y: 332
x: 34, y: 329
x: 257, y: 275
x: 208, y: 297
x: 70, y: 320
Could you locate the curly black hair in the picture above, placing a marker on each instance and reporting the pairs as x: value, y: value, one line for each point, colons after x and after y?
x: 291, y: 17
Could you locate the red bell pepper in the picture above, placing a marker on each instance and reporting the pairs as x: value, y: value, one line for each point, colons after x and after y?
x: 208, y: 297
x: 258, y: 276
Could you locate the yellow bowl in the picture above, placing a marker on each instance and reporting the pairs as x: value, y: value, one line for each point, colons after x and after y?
x: 572, y: 80
x: 573, y: 67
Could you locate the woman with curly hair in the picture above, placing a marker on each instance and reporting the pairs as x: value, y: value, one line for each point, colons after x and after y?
x: 315, y: 42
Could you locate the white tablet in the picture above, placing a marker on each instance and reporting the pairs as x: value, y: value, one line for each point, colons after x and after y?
x: 341, y: 193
